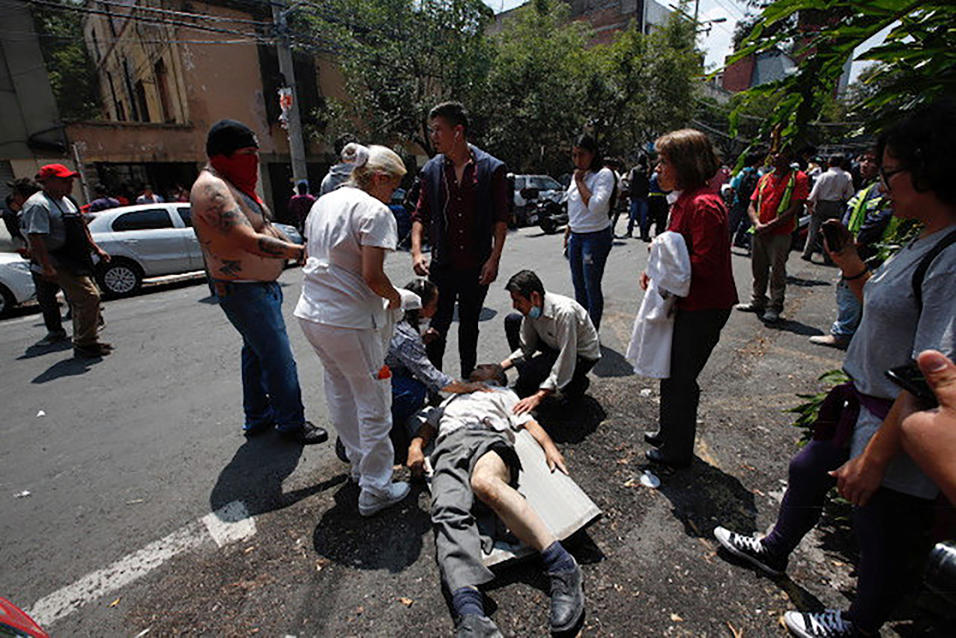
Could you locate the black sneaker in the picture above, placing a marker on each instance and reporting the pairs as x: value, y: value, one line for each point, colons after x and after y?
x: 567, y: 599
x: 752, y: 550
x: 308, y: 434
x: 822, y: 624
x: 475, y: 626
x: 340, y: 451
x: 654, y: 438
x: 52, y: 338
x: 257, y: 430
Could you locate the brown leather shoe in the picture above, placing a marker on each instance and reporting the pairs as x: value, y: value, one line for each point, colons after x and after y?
x: 92, y: 350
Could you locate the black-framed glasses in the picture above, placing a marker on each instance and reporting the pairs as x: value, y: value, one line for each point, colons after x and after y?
x: 886, y: 175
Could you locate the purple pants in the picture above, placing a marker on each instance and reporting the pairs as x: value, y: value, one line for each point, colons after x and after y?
x: 892, y: 530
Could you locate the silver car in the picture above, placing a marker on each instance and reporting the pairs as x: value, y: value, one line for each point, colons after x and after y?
x: 16, y: 283
x: 149, y: 240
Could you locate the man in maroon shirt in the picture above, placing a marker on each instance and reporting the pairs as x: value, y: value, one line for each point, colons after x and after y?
x: 464, y: 207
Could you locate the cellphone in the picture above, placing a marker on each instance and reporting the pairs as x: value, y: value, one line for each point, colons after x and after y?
x: 833, y: 234
x: 910, y: 378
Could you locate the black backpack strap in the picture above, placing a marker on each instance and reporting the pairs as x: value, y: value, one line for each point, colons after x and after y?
x: 920, y: 273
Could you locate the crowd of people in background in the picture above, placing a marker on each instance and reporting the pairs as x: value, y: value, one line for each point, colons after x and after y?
x: 382, y: 347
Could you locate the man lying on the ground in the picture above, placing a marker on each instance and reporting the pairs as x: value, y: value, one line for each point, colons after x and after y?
x: 554, y: 344
x: 474, y: 456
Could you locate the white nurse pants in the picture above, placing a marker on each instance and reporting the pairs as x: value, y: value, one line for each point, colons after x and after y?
x: 359, y: 402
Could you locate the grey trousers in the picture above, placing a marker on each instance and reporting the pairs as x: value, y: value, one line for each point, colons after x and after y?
x: 769, y: 262
x: 457, y: 543
x: 823, y: 211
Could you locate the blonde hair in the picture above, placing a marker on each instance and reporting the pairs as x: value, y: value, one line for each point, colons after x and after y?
x: 371, y: 161
x: 691, y: 154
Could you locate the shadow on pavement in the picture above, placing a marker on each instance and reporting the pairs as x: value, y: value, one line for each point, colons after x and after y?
x: 391, y: 539
x: 612, y: 364
x: 703, y: 497
x: 66, y: 368
x: 570, y: 421
x: 255, y: 475
x: 796, y: 327
x: 38, y: 351
x: 806, y: 283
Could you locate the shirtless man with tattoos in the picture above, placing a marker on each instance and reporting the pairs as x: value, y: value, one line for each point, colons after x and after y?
x: 245, y: 254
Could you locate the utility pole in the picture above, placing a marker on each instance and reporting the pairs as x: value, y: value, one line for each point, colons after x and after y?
x: 286, y: 68
x: 78, y: 161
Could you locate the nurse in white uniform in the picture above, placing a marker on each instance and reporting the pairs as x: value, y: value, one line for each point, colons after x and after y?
x: 341, y: 311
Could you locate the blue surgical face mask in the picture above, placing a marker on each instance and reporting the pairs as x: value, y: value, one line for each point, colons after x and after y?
x: 535, y: 312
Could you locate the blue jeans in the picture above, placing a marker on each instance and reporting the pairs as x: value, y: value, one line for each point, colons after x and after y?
x: 640, y: 217
x: 849, y: 310
x: 408, y: 397
x: 588, y: 253
x: 270, y: 382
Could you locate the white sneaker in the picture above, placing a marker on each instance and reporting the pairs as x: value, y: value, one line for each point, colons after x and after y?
x: 823, y: 624
x: 369, y: 503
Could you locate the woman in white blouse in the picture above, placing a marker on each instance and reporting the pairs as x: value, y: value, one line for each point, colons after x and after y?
x: 589, y: 234
x: 341, y: 312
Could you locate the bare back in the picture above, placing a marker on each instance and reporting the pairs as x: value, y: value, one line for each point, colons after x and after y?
x: 222, y: 221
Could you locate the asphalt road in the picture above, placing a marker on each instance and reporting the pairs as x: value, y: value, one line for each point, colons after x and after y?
x: 148, y: 510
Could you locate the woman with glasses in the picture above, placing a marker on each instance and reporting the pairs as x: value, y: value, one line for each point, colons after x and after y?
x: 907, y: 307
x: 686, y: 164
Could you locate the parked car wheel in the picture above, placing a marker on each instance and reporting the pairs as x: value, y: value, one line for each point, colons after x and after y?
x: 7, y: 301
x: 120, y: 277
x: 548, y: 225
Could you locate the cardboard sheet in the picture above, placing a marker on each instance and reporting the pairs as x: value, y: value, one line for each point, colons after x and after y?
x: 555, y: 496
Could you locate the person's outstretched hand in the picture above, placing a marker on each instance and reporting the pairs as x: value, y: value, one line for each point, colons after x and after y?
x: 929, y: 436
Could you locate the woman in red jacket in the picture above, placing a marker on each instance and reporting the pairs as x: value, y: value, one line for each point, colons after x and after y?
x: 686, y: 163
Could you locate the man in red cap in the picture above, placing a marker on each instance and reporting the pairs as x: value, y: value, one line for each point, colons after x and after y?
x: 61, y: 247
x: 245, y: 254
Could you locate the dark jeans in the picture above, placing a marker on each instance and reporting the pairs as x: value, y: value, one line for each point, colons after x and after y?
x: 696, y: 332
x: 892, y: 530
x: 533, y: 370
x: 739, y: 224
x: 270, y: 381
x: 49, y: 306
x: 639, y: 214
x: 461, y: 286
x: 408, y: 397
x: 587, y: 253
x: 657, y: 210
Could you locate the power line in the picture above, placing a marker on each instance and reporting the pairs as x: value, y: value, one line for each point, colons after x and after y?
x: 143, y: 20
x: 185, y: 14
x: 731, y: 7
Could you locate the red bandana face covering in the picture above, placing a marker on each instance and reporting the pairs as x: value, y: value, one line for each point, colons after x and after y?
x: 241, y: 170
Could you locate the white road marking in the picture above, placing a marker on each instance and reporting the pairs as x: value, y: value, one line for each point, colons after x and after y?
x: 228, y: 524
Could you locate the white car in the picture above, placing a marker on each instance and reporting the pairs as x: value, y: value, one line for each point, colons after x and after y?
x: 149, y: 240
x: 16, y: 284
x: 543, y: 187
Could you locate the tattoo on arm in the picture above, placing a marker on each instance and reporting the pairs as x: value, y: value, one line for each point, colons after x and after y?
x: 230, y: 267
x: 272, y: 246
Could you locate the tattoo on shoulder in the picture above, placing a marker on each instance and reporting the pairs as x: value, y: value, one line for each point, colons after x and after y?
x: 226, y: 220
x: 230, y: 267
x: 219, y: 212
